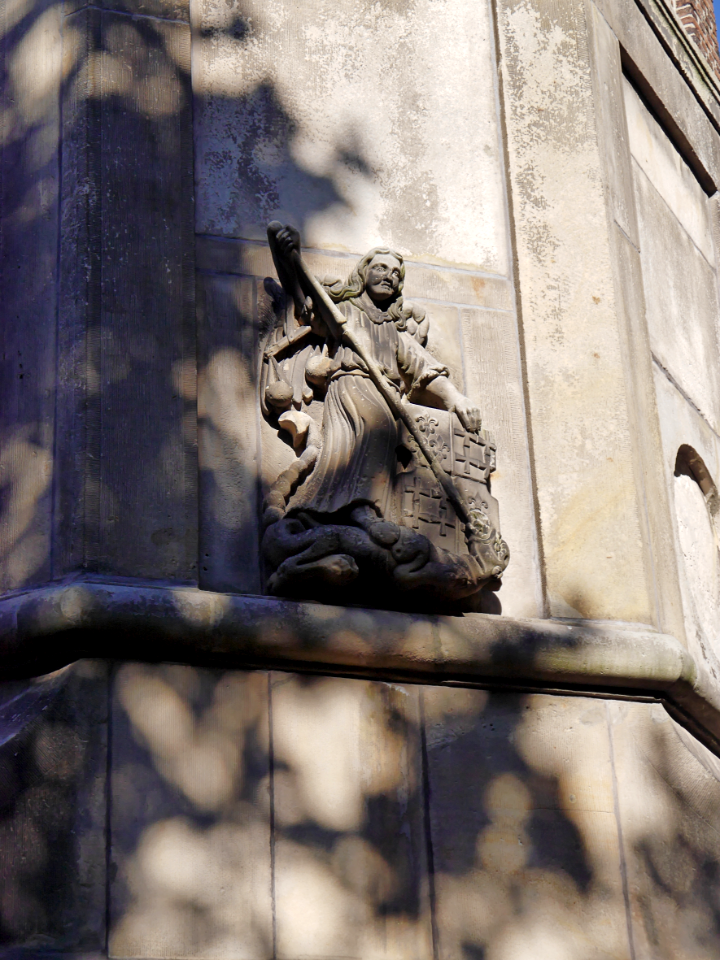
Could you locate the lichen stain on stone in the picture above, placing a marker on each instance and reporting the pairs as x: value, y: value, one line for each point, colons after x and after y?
x: 577, y: 402
x: 384, y: 126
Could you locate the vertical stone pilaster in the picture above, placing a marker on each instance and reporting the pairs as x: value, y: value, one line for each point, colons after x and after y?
x: 654, y: 503
x: 126, y: 482
x: 592, y: 527
x: 29, y: 171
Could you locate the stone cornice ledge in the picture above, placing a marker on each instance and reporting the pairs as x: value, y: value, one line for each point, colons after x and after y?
x: 50, y: 626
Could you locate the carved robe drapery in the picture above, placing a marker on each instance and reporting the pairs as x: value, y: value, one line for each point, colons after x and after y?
x: 360, y: 434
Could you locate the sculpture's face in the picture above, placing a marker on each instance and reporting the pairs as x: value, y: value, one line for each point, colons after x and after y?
x: 382, y: 278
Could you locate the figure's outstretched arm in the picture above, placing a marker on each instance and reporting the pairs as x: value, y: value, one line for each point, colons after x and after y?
x: 424, y: 374
x: 450, y: 397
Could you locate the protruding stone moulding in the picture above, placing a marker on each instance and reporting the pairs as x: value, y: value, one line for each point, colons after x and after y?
x: 387, y: 501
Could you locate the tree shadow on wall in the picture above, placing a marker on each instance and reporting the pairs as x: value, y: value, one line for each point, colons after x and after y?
x: 267, y: 815
x: 251, y: 177
x: 53, y: 757
x: 280, y: 814
x: 98, y: 285
x: 674, y: 847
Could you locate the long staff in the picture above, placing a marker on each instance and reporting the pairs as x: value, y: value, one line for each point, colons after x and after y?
x: 340, y: 329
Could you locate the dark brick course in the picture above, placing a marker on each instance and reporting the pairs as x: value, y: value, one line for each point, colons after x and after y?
x: 698, y: 18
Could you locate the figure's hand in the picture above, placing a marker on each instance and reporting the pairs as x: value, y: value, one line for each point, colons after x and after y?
x: 288, y: 241
x: 468, y: 413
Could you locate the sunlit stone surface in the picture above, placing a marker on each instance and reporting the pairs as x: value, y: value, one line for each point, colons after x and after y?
x: 193, y: 770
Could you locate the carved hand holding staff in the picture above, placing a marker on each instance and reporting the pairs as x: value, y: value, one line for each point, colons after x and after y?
x: 356, y: 350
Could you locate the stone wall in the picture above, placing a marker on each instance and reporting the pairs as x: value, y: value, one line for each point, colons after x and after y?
x: 358, y: 129
x: 192, y: 769
x: 271, y: 814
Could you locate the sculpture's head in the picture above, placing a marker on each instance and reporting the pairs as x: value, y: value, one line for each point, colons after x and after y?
x: 381, y: 272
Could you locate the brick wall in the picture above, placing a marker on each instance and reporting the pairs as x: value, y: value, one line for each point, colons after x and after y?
x: 698, y: 18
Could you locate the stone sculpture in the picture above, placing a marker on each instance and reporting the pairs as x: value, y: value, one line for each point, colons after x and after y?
x: 388, y: 501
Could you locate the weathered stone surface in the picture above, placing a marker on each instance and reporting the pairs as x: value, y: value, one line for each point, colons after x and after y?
x: 257, y: 814
x: 126, y: 477
x: 198, y: 626
x: 161, y: 9
x: 228, y: 442
x: 616, y: 164
x: 53, y: 757
x: 427, y: 281
x: 190, y: 814
x: 350, y: 856
x: 494, y: 381
x: 692, y: 522
x: 578, y: 404
x: 353, y: 124
x: 646, y: 31
x: 668, y: 172
x: 444, y: 337
x: 668, y: 803
x: 679, y: 281
x: 30, y: 52
x: 525, y: 842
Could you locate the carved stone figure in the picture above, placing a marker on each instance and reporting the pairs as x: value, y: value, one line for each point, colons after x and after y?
x: 388, y: 501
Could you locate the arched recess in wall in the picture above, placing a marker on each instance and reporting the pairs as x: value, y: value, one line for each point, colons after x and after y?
x: 697, y: 506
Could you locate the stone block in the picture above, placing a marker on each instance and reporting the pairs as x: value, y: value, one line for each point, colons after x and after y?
x: 494, y: 381
x: 53, y: 761
x: 190, y: 815
x: 589, y: 510
x: 126, y: 488
x: 30, y: 50
x: 423, y: 281
x: 680, y: 283
x: 691, y: 108
x: 665, y: 168
x: 228, y: 439
x: 350, y: 851
x: 356, y: 126
x: 525, y: 844
x: 609, y: 86
x: 444, y: 338
x: 669, y: 802
x: 692, y: 523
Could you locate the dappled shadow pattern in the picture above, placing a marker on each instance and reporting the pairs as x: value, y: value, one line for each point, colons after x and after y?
x: 671, y: 814
x: 393, y: 821
x: 270, y: 814
x: 98, y: 424
x: 52, y: 811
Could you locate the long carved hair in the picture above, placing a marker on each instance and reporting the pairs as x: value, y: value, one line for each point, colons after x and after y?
x: 400, y: 314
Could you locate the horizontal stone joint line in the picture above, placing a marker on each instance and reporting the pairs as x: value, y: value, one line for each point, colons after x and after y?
x: 664, y: 370
x: 672, y: 212
x: 354, y: 257
x: 126, y: 13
